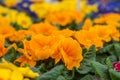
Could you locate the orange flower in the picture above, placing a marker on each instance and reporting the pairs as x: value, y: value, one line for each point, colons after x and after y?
x: 100, y: 20
x: 78, y: 16
x: 65, y: 32
x: 69, y: 51
x: 40, y: 47
x: 20, y: 35
x: 115, y: 34
x: 87, y: 24
x: 23, y: 60
x: 114, y: 16
x: 110, y: 19
x: 63, y: 18
x: 3, y: 50
x: 88, y: 38
x: 5, y: 28
x: 113, y: 23
x: 7, y: 31
x: 4, y: 21
x: 103, y: 31
x: 42, y: 28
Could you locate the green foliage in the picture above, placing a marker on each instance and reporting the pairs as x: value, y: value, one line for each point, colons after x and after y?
x: 11, y: 55
x: 87, y: 77
x: 75, y: 26
x: 114, y: 75
x: 117, y: 50
x: 61, y: 78
x: 109, y: 63
x: 89, y: 56
x: 16, y: 26
x: 100, y: 69
x: 53, y: 74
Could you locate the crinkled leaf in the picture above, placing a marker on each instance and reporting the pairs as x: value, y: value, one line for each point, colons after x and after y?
x: 61, y: 78
x: 117, y: 50
x: 89, y: 56
x: 53, y: 74
x: 101, y: 58
x: 112, y: 58
x: 10, y: 55
x: 35, y: 69
x: 100, y: 69
x: 114, y: 75
x: 87, y: 77
x: 108, y: 48
x: 16, y: 26
x: 109, y: 63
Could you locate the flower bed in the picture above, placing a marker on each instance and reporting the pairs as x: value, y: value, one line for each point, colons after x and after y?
x: 43, y: 41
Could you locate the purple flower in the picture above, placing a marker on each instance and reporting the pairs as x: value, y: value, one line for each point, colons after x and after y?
x: 116, y: 66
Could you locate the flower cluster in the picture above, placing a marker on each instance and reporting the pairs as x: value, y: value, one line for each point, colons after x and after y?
x: 11, y: 72
x: 60, y: 40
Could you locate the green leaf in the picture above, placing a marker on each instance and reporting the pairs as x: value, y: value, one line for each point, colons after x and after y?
x: 117, y: 50
x: 100, y: 69
x: 28, y: 37
x: 53, y: 74
x: 35, y: 69
x: 61, y: 78
x: 79, y: 26
x: 108, y: 48
x: 112, y: 58
x: 10, y: 55
x: 114, y: 75
x: 72, y: 26
x: 109, y: 63
x: 101, y: 58
x: 16, y: 26
x: 7, y: 43
x: 89, y: 56
x: 87, y: 77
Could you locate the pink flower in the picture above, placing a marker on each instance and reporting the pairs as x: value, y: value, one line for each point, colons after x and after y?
x: 116, y: 66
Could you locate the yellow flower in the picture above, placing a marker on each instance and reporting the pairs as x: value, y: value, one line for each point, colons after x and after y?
x: 86, y: 8
x: 37, y: 1
x: 3, y: 10
x: 12, y: 15
x: 11, y: 3
x: 41, y: 9
x: 23, y: 20
x: 69, y: 51
x: 9, y: 71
